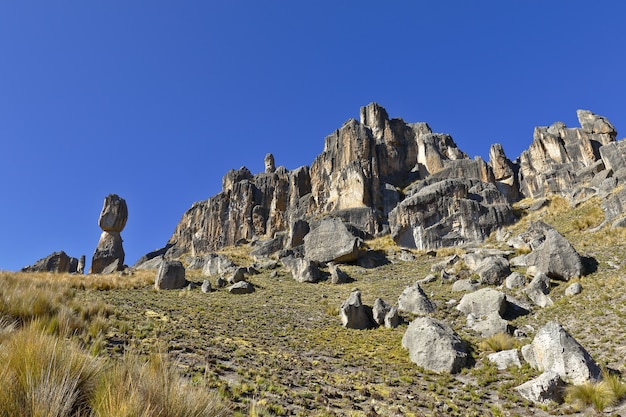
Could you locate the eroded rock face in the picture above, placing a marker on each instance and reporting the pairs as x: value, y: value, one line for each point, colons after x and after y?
x: 448, y: 213
x: 112, y: 221
x: 554, y: 349
x: 433, y: 345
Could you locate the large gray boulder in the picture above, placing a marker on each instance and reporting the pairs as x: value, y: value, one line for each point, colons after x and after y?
x: 482, y: 302
x: 434, y: 346
x: 448, y: 213
x: 112, y: 220
x: 547, y: 387
x: 488, y: 325
x: 537, y: 290
x: 330, y: 240
x: 55, y: 262
x: 556, y: 257
x: 505, y: 359
x: 493, y: 270
x: 241, y: 287
x: 337, y: 276
x: 171, y: 276
x: 554, y: 349
x: 302, y: 270
x: 216, y: 265
x: 354, y: 314
x: 414, y: 300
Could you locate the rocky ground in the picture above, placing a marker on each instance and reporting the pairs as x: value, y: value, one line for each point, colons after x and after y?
x: 282, y: 350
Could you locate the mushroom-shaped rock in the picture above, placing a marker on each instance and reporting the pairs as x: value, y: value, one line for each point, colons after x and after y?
x: 354, y: 314
x: 114, y: 214
x: 482, y: 302
x: 171, y: 276
x: 554, y: 349
x: 414, y: 300
x: 112, y: 220
x: 433, y: 345
x: 545, y: 388
x: 330, y: 240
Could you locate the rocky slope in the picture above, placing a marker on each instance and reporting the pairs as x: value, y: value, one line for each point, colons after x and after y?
x: 383, y: 175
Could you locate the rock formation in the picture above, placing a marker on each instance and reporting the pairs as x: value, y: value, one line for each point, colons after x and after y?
x: 109, y: 253
x: 58, y: 262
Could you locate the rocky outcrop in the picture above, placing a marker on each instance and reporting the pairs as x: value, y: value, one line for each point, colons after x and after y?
x: 112, y: 221
x: 58, y: 262
x: 433, y: 345
x: 554, y: 349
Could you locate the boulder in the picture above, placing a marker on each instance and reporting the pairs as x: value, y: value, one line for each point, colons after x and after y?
x: 216, y: 265
x: 538, y: 289
x: 302, y: 270
x: 434, y: 346
x: 515, y: 280
x: 171, y: 276
x: 573, y: 289
x: 241, y: 287
x: 556, y: 257
x: 337, y: 276
x: 206, y: 286
x: 449, y: 212
x: 414, y: 300
x: 330, y: 240
x: 153, y: 263
x: 58, y: 262
x: 112, y: 220
x: 505, y: 359
x: 297, y: 231
x: 488, y: 325
x: 265, y: 248
x: 547, y: 387
x: 482, y: 302
x: 466, y: 285
x: 554, y: 349
x: 393, y: 318
x: 354, y: 314
x: 493, y: 270
x: 237, y: 275
x: 380, y: 310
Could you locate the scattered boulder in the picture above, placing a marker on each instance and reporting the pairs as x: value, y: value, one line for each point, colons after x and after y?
x: 488, y: 325
x: 241, y: 287
x: 573, y: 289
x: 216, y: 264
x: 466, y: 285
x: 493, y: 270
x: 556, y: 257
x: 330, y: 240
x: 515, y: 280
x: 220, y: 282
x: 265, y: 248
x: 112, y: 220
x: 354, y: 314
x: 302, y: 270
x: 505, y: 359
x: 538, y: 289
x: 554, y: 349
x: 171, y: 276
x: 414, y: 300
x: 447, y: 262
x: 58, y: 262
x: 153, y: 263
x: 393, y: 318
x: 337, y: 276
x: 380, y: 310
x: 237, y: 275
x: 545, y: 388
x: 482, y: 302
x: 206, y: 286
x: 434, y: 346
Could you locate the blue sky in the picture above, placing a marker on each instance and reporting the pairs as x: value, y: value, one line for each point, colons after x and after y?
x: 156, y: 100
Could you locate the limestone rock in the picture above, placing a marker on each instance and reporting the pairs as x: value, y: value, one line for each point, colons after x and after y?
x: 466, y: 285
x: 216, y: 264
x: 80, y: 267
x: 433, y: 345
x: 556, y: 257
x: 337, y: 276
x: 493, y: 270
x: 302, y: 270
x: 206, y: 286
x: 55, y: 262
x: 112, y: 220
x: 414, y: 300
x: 545, y: 388
x: 330, y: 240
x: 488, y: 325
x: 237, y: 276
x: 380, y: 310
x: 297, y: 231
x: 355, y: 315
x: 482, y: 302
x: 538, y: 289
x: 241, y: 287
x: 171, y: 276
x: 573, y: 289
x: 504, y: 172
x: 393, y: 318
x: 269, y: 163
x: 554, y: 349
x: 515, y: 280
x: 448, y: 213
x: 505, y: 359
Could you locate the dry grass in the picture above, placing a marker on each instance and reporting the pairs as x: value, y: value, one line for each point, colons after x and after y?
x: 498, y: 342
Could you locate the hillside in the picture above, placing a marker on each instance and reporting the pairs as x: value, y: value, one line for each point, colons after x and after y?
x: 282, y: 350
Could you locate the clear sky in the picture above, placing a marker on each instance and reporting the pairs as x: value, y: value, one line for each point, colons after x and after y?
x: 156, y: 100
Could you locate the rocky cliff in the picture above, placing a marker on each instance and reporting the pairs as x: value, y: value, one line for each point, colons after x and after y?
x: 384, y: 175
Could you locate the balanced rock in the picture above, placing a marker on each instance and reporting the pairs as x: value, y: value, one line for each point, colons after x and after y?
x: 330, y: 240
x: 58, y: 262
x: 354, y: 314
x: 434, y: 346
x: 112, y: 220
x: 414, y: 300
x: 554, y: 349
x: 171, y: 276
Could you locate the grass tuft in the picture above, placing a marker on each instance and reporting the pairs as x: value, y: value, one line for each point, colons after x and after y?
x: 498, y: 342
x: 599, y: 395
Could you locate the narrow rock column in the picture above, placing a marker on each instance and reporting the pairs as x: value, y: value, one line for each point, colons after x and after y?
x: 270, y: 167
x: 109, y: 254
